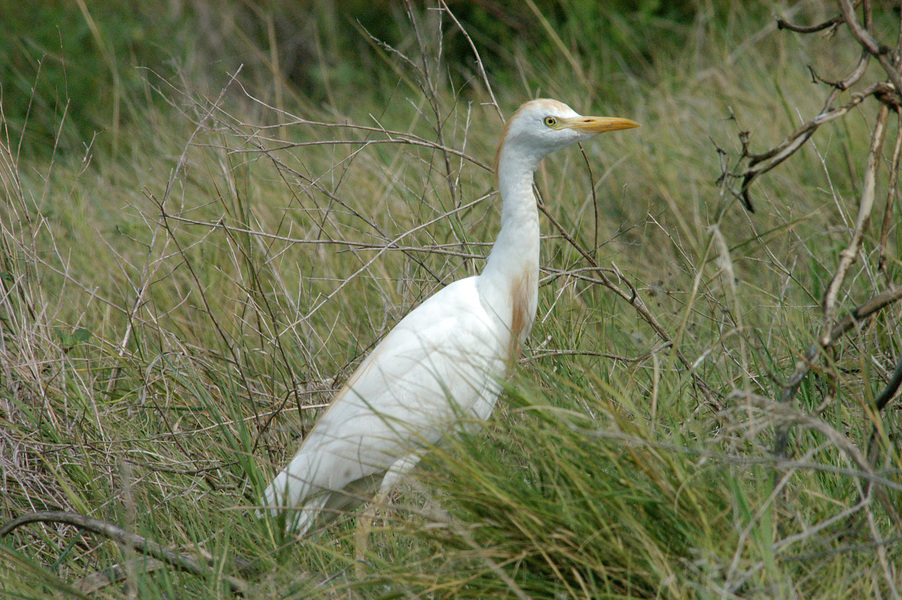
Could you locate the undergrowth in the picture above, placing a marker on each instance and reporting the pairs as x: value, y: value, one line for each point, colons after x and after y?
x: 174, y: 314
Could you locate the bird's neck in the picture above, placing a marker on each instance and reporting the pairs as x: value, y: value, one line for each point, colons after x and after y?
x: 511, y: 274
x: 517, y: 246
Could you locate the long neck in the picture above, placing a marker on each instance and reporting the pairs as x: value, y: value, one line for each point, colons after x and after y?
x: 509, y: 282
x: 517, y: 246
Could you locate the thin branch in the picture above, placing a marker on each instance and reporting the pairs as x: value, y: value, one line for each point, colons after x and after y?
x: 442, y: 249
x: 863, y: 35
x: 393, y: 136
x: 430, y: 91
x: 811, y: 557
x: 892, y: 386
x: 882, y: 399
x: 850, y: 80
x: 122, y: 537
x: 764, y: 162
x: 850, y: 253
x: 566, y: 352
x: 886, y: 92
x: 204, y: 300
x: 479, y: 65
x: 881, y: 554
x: 784, y: 24
x: 891, y: 195
x: 594, y: 203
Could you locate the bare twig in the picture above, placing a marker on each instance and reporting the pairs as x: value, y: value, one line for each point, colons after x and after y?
x: 479, y: 65
x: 815, y: 529
x: 226, y: 339
x: 784, y: 24
x: 429, y: 90
x: 891, y: 194
x: 441, y: 249
x: 148, y: 272
x: 849, y: 254
x: 880, y: 402
x: 564, y: 352
x: 892, y: 386
x: 764, y: 162
x: 886, y: 92
x: 125, y: 538
x: 392, y: 136
x: 809, y: 557
x: 632, y: 441
x: 256, y: 140
x: 882, y: 53
x: 595, y: 224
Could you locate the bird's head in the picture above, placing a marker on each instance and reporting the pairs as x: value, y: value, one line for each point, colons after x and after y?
x: 543, y: 126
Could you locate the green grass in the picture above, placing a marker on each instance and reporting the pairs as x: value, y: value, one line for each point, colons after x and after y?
x: 173, y: 313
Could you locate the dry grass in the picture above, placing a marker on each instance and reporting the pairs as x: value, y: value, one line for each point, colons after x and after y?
x: 173, y: 315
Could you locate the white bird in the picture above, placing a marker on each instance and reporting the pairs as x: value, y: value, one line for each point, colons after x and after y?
x: 441, y: 365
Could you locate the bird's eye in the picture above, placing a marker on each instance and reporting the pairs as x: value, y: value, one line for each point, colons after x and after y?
x: 550, y: 121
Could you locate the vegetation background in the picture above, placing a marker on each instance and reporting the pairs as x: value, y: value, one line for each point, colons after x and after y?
x: 212, y: 210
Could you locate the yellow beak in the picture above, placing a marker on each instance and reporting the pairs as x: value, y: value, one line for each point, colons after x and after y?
x: 599, y: 124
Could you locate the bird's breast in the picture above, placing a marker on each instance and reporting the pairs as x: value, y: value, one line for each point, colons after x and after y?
x: 523, y: 309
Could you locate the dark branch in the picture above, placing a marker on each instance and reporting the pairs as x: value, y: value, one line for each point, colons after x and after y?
x: 891, y: 388
x: 765, y: 161
x: 784, y: 24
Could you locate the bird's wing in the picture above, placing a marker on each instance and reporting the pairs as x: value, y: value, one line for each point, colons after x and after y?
x: 442, y: 362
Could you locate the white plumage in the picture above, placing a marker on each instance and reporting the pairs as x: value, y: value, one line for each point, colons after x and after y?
x: 442, y: 364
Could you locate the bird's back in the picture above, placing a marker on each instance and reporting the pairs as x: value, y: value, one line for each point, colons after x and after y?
x: 440, y: 365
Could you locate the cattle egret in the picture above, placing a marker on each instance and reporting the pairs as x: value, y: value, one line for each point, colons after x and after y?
x: 441, y: 366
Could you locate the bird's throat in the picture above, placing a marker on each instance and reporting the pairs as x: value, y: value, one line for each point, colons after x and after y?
x: 509, y: 282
